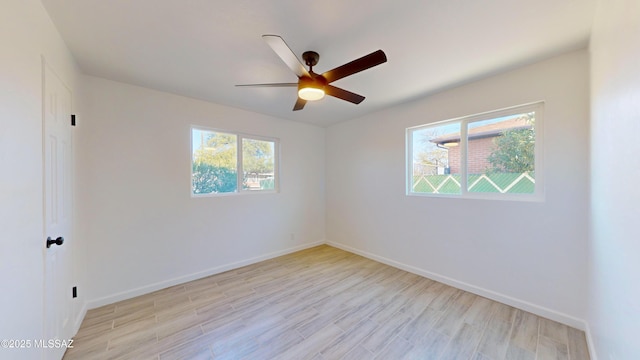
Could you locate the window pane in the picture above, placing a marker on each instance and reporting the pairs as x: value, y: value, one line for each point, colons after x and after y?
x: 501, y: 155
x: 436, y: 159
x: 214, y: 162
x: 258, y: 164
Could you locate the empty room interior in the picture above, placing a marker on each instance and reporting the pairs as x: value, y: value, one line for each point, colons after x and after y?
x: 320, y: 180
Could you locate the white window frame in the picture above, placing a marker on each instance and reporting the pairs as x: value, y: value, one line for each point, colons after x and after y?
x: 537, y: 195
x: 239, y: 137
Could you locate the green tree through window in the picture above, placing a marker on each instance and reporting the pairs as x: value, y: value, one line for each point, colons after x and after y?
x: 515, y: 149
x: 215, y: 162
x: 214, y: 167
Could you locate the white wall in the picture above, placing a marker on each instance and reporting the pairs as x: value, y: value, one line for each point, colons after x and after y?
x: 144, y: 230
x: 136, y: 216
x: 529, y: 254
x: 26, y: 34
x: 614, y: 251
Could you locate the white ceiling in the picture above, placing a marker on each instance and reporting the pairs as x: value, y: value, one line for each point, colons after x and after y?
x: 202, y: 48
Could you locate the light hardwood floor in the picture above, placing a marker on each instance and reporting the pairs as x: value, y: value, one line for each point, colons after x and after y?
x: 320, y: 303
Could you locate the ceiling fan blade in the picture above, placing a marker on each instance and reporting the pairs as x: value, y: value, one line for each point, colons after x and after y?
x: 270, y: 85
x: 343, y: 94
x: 363, y: 63
x: 284, y: 52
x: 300, y: 103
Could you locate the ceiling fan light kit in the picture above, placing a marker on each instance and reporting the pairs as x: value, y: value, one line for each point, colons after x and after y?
x: 312, y: 86
x: 310, y: 93
x: 311, y: 89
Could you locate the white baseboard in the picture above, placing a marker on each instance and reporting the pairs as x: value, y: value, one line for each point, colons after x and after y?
x: 94, y: 303
x: 505, y: 299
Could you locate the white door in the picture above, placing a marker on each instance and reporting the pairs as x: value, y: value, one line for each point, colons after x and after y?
x: 57, y: 213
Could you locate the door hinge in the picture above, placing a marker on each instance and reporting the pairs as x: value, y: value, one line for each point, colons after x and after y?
x: 73, y: 120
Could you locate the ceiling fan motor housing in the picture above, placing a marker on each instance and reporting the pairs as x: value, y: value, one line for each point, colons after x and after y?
x: 316, y: 81
x: 310, y: 58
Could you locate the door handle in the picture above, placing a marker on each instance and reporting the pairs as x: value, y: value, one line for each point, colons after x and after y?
x: 58, y: 241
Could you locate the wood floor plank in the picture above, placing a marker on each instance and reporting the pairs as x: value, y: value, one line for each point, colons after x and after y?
x: 99, y: 315
x: 130, y: 328
x: 189, y: 350
x: 234, y: 347
x: 502, y: 312
x: 515, y: 352
x: 138, y: 338
x: 169, y: 303
x: 453, y: 316
x: 495, y: 339
x: 171, y: 327
x: 220, y: 326
x: 340, y: 346
x: 419, y: 301
x: 401, y: 300
x: 463, y: 344
x: 94, y: 330
x: 420, y: 326
x: 358, y: 353
x: 554, y: 330
x: 358, y: 313
x: 428, y: 347
x: 319, y: 322
x: 82, y: 350
x: 444, y: 295
x: 287, y: 326
x: 311, y: 346
x: 277, y: 345
x: 385, y: 332
x: 398, y: 348
x: 551, y: 349
x: 525, y: 331
x: 320, y: 303
x: 176, y: 338
x: 578, y: 349
x: 479, y: 312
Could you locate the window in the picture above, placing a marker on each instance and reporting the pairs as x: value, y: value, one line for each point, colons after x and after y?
x: 225, y: 162
x: 496, y: 155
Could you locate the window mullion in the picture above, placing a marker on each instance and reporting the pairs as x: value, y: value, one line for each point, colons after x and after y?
x: 409, y: 162
x: 463, y: 158
x: 239, y: 167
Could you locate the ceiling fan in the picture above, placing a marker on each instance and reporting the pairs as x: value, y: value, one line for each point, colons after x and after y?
x: 312, y: 86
